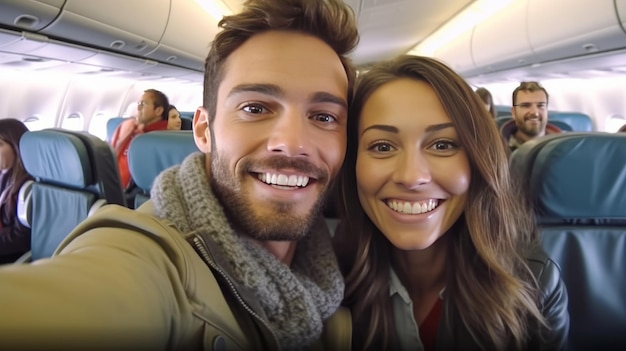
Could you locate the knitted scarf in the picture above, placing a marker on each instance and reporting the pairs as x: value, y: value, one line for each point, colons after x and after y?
x: 296, y: 299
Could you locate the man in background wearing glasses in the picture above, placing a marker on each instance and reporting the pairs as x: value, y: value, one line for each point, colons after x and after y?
x: 530, y: 115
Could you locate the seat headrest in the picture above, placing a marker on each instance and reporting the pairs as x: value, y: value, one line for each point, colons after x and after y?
x: 151, y: 153
x: 579, y: 122
x: 575, y: 177
x: 55, y: 157
x: 186, y: 124
x: 112, y: 125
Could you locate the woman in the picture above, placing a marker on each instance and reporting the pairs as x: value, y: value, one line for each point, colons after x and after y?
x: 443, y: 250
x: 14, y: 237
x: 487, y: 99
x: 173, y: 118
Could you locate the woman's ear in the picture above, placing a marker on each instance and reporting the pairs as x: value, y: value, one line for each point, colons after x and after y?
x: 201, y: 131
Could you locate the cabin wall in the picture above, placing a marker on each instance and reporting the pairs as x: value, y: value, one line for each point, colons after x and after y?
x: 49, y: 100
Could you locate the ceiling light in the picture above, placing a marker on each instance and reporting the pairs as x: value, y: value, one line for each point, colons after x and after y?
x: 474, y: 13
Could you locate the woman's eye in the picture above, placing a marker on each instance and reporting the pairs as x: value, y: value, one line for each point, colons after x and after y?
x: 444, y: 145
x: 381, y: 147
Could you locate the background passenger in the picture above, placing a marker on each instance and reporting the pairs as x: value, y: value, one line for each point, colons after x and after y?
x: 173, y: 118
x: 442, y: 253
x: 14, y: 237
x: 152, y: 114
x: 487, y: 99
x: 622, y: 129
x: 530, y: 115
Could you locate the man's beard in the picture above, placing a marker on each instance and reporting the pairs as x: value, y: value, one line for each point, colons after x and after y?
x: 282, y: 224
x: 531, y: 131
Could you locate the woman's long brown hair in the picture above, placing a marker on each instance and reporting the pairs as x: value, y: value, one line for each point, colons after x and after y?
x: 11, y: 130
x: 488, y: 281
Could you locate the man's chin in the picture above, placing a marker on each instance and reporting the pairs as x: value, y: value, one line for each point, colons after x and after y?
x: 279, y: 224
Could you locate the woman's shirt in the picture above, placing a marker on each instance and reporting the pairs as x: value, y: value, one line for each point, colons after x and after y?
x: 409, y: 335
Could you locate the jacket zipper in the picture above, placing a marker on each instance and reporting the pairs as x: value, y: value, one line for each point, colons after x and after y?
x: 202, y: 248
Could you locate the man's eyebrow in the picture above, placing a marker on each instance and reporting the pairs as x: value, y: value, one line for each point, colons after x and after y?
x: 392, y: 129
x: 276, y: 91
x: 328, y: 97
x: 266, y: 89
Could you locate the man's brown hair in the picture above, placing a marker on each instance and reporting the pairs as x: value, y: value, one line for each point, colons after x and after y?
x: 332, y: 21
x: 529, y: 87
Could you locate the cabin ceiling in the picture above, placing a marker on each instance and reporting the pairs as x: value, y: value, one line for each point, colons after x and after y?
x: 389, y: 28
x: 393, y: 27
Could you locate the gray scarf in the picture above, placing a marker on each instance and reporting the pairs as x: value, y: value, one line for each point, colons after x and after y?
x: 296, y: 299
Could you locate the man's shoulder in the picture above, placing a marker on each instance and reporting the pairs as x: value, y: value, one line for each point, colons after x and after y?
x: 141, y: 221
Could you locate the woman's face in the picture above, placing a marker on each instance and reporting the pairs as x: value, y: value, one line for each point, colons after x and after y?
x: 412, y: 173
x: 173, y: 120
x: 7, y: 156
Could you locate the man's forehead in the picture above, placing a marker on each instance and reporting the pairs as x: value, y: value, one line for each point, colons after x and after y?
x: 535, y: 96
x: 291, y: 61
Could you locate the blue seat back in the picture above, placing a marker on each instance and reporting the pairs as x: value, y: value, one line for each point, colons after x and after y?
x: 577, y: 183
x: 186, y: 118
x: 112, y: 124
x: 75, y: 173
x: 500, y: 120
x: 502, y: 110
x: 579, y: 122
x: 151, y: 153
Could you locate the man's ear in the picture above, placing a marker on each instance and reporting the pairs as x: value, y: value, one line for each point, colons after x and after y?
x: 201, y: 132
x: 159, y: 112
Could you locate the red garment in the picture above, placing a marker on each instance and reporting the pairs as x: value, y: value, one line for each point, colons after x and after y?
x: 121, y: 139
x: 428, y: 329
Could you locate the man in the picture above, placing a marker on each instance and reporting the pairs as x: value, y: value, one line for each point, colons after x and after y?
x: 530, y: 115
x: 152, y: 114
x: 232, y: 252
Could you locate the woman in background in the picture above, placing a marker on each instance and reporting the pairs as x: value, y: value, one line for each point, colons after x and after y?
x: 14, y: 237
x: 173, y: 119
x: 442, y: 253
x: 487, y: 99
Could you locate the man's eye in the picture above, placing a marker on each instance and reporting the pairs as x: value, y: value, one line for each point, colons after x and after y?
x: 254, y: 109
x: 325, y: 118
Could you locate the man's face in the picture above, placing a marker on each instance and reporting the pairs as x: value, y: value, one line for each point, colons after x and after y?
x: 147, y: 112
x: 279, y: 134
x: 531, y: 113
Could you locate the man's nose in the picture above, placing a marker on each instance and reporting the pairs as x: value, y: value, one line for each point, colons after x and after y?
x: 290, y: 135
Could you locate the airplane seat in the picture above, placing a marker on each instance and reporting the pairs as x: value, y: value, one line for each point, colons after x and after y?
x: 577, y: 184
x: 151, y: 153
x: 186, y: 123
x: 187, y: 114
x: 563, y: 126
x: 501, y: 119
x: 112, y: 124
x: 579, y: 122
x: 70, y: 184
x: 24, y: 207
x: 502, y: 110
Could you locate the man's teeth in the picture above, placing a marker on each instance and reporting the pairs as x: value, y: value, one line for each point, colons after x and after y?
x: 284, y: 180
x: 413, y: 208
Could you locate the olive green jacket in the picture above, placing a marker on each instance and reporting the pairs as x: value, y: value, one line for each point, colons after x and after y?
x: 124, y: 280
